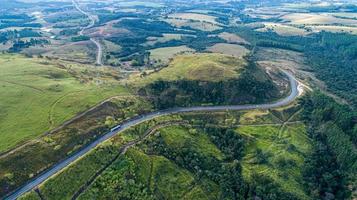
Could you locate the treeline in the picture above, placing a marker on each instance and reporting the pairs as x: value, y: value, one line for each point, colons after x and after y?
x: 245, y: 89
x: 16, y: 34
x: 20, y: 44
x: 17, y: 20
x: 332, y: 165
x: 80, y: 38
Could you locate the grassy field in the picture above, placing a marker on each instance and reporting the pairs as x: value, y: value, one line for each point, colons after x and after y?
x: 78, y: 51
x: 274, y: 149
x: 204, y: 67
x: 166, y: 37
x: 284, y: 30
x: 37, y: 97
x: 194, y: 16
x: 163, y: 55
x: 322, y: 19
x: 232, y: 38
x: 177, y: 137
x: 199, y: 25
x: 229, y: 49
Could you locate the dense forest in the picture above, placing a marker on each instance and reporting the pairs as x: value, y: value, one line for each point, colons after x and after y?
x: 334, y: 58
x: 333, y: 160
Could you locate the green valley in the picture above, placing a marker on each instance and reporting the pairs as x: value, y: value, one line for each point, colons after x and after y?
x: 172, y: 99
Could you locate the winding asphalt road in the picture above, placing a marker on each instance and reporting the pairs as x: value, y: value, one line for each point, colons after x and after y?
x: 90, y: 25
x: 294, y: 93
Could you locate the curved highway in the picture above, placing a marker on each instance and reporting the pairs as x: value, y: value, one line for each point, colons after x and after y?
x: 294, y: 93
x: 90, y: 25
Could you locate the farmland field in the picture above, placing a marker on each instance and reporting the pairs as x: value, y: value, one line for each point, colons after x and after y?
x: 229, y: 49
x: 232, y: 38
x: 165, y: 38
x: 194, y: 16
x: 199, y: 25
x: 324, y: 19
x: 284, y: 30
x: 164, y: 54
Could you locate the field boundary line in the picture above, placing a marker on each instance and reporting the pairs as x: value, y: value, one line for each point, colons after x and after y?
x: 23, y: 85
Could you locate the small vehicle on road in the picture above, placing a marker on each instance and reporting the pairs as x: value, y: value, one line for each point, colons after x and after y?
x: 115, y: 128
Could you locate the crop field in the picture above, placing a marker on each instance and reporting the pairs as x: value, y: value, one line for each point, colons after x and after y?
x: 42, y: 96
x: 151, y: 41
x: 232, y: 38
x: 199, y: 25
x: 284, y: 30
x: 163, y: 55
x: 305, y: 5
x: 229, y: 49
x: 205, y: 67
x: 194, y: 16
x: 322, y: 19
x: 351, y: 15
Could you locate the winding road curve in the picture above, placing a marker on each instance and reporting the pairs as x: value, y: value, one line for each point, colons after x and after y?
x: 90, y: 25
x: 294, y: 93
